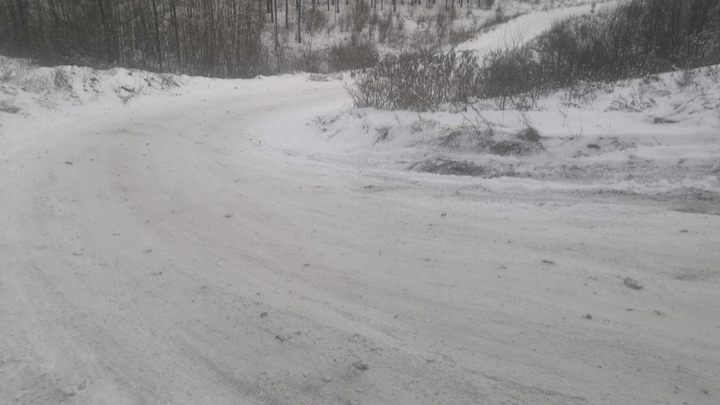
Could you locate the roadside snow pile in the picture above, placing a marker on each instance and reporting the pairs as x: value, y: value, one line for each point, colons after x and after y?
x: 646, y: 135
x: 23, y: 85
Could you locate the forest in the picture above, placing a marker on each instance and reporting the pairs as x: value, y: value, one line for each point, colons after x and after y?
x: 220, y: 38
x: 246, y: 38
x: 210, y: 37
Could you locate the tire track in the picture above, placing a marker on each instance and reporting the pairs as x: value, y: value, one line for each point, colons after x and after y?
x: 232, y: 383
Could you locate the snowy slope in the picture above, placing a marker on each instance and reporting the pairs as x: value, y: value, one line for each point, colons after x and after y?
x: 648, y: 137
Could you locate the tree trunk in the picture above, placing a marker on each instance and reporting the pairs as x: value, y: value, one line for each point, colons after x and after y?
x: 106, y: 33
x: 276, y: 36
x: 299, y: 14
x: 174, y: 21
x: 157, y: 34
x: 20, y: 22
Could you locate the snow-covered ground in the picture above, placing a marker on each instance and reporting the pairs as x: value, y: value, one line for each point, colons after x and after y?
x: 643, y: 136
x: 183, y: 240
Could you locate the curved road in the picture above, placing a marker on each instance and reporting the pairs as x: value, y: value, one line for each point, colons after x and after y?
x: 160, y: 253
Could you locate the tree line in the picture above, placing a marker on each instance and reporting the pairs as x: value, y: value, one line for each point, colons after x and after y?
x: 220, y: 38
x: 204, y: 37
x: 636, y: 38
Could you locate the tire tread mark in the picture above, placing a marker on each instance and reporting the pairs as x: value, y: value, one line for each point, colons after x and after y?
x: 235, y: 384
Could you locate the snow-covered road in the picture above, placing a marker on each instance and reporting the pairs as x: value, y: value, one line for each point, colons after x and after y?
x: 160, y: 253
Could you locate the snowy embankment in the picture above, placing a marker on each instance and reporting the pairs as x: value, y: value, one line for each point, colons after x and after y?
x: 646, y: 136
x: 649, y: 136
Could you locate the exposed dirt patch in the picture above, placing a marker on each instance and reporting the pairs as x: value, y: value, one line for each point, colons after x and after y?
x: 523, y: 143
x: 529, y: 134
x: 447, y: 166
x: 689, y: 200
x: 693, y: 274
x: 698, y: 209
x: 464, y: 168
x: 9, y: 108
x: 693, y: 201
x: 513, y: 148
x: 464, y: 139
x: 663, y: 120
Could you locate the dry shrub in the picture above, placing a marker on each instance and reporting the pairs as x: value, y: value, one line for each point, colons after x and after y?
x: 417, y: 80
x: 355, y: 54
x: 316, y: 20
x: 385, y: 26
x: 636, y: 39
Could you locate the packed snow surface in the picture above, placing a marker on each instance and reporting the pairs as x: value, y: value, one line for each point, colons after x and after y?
x: 182, y: 240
